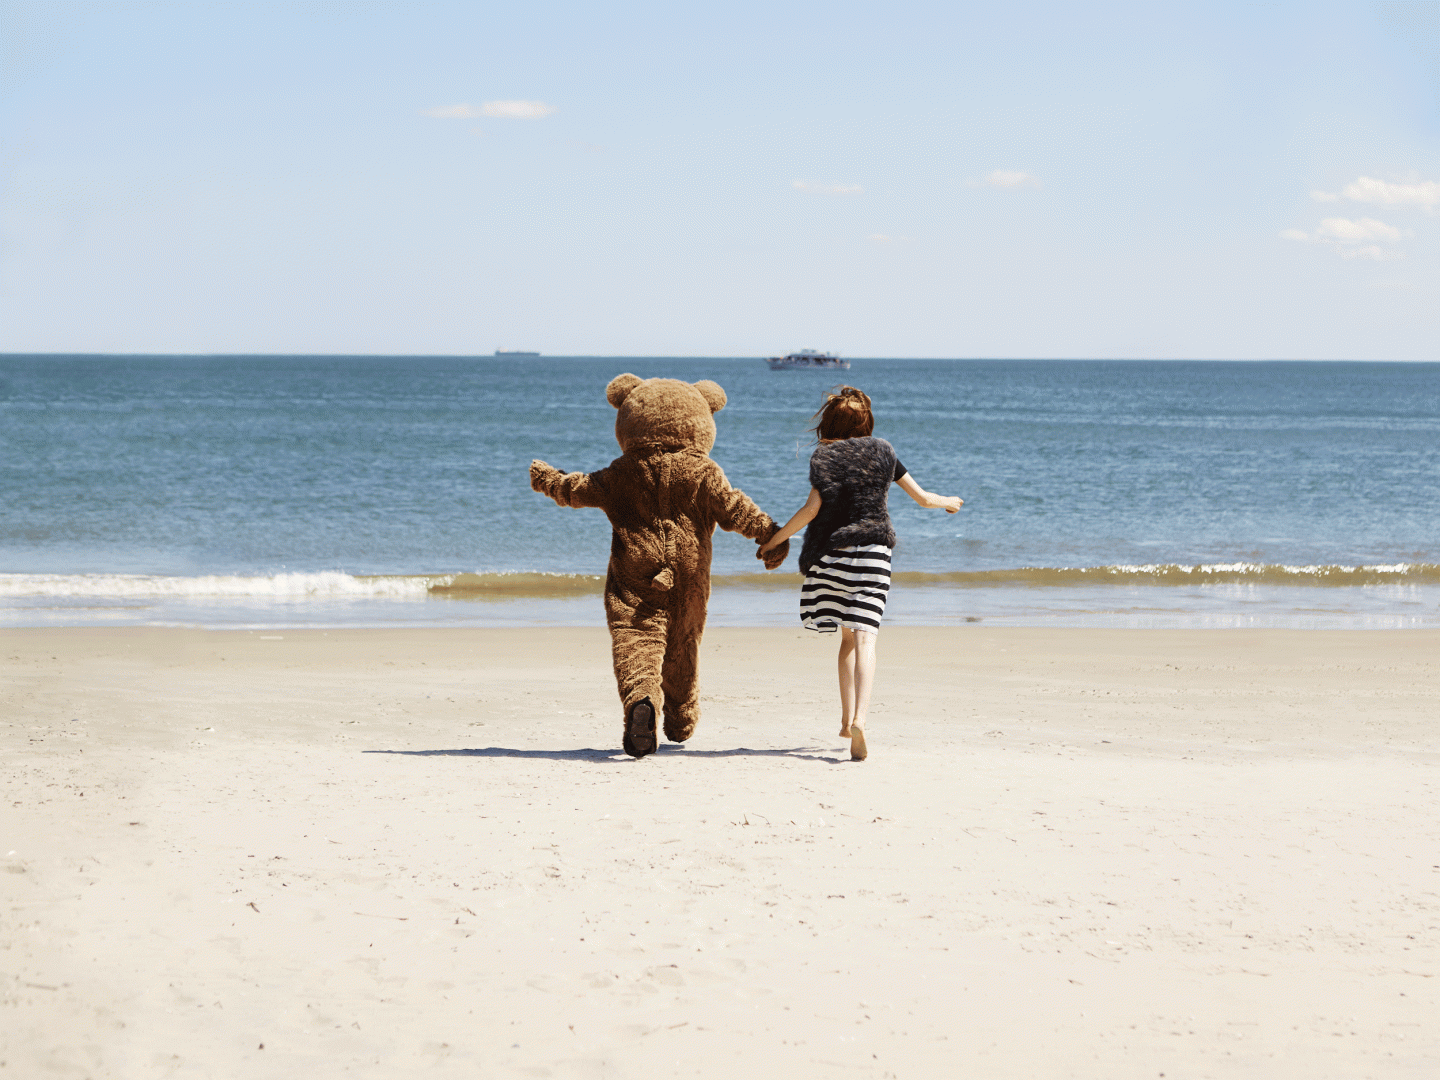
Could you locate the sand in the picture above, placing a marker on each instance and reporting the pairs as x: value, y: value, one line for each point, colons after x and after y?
x: 381, y: 853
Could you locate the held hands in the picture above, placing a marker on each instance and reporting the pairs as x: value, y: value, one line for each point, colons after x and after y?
x: 771, y: 553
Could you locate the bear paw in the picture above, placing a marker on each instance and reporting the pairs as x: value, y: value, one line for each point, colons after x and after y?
x: 679, y: 729
x: 540, y: 473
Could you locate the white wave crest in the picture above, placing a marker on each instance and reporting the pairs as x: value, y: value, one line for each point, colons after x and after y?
x: 325, y: 585
x: 1248, y: 568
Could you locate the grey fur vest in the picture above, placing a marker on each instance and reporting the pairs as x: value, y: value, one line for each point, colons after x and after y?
x: 853, y: 477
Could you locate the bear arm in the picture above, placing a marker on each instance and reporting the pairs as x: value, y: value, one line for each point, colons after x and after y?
x: 570, y: 489
x: 734, y: 511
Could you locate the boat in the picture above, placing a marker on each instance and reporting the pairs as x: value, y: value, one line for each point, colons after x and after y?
x: 514, y: 352
x: 807, y: 358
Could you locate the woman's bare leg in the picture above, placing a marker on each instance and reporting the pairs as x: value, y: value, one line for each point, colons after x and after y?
x: 847, y: 680
x: 864, y: 679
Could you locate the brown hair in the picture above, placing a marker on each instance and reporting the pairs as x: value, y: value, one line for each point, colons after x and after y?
x: 845, y: 415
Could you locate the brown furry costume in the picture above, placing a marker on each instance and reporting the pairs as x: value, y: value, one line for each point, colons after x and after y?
x: 664, y: 497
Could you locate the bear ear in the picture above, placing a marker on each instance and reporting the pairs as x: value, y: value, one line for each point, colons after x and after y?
x: 620, y: 386
x: 712, y: 393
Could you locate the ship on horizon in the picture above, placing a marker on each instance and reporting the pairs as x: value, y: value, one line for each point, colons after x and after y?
x: 807, y: 358
x: 514, y: 352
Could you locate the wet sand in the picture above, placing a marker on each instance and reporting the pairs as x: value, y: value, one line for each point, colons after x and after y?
x: 1071, y: 853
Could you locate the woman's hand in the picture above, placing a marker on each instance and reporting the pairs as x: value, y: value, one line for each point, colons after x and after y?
x: 951, y: 503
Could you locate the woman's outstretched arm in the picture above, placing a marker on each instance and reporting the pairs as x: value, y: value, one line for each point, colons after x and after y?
x: 949, y: 503
x: 803, y: 517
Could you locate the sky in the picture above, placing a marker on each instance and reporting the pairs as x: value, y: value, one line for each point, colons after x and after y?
x: 1147, y: 180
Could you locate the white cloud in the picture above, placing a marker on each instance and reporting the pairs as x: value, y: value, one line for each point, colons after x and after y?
x: 1003, y: 178
x: 1324, y: 196
x: 1357, y: 239
x: 1353, y: 232
x: 517, y: 110
x: 454, y: 112
x: 1372, y: 251
x: 1368, y: 189
x: 504, y: 110
x: 826, y: 189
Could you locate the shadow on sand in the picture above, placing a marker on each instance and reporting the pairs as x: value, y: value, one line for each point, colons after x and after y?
x: 808, y: 753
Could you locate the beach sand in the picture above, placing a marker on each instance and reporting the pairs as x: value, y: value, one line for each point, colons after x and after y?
x: 374, y: 853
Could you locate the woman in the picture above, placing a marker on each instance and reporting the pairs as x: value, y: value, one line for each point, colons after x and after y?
x: 846, y: 555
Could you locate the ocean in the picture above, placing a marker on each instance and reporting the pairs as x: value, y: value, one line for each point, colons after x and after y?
x: 274, y: 491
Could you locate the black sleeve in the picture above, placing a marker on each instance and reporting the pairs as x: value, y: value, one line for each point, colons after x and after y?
x: 900, y: 471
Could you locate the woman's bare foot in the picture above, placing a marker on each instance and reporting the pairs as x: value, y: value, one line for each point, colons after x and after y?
x: 844, y: 730
x: 857, y: 743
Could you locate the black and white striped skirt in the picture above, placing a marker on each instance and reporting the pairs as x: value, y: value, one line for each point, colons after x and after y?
x: 847, y: 587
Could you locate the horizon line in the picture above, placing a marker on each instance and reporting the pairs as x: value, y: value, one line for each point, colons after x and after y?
x: 704, y: 356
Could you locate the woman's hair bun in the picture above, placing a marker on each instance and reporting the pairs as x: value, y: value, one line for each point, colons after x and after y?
x: 846, y: 414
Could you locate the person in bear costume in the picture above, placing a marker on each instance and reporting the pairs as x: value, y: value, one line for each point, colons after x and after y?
x: 663, y: 496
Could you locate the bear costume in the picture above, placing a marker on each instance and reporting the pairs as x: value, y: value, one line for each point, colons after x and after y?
x: 663, y: 496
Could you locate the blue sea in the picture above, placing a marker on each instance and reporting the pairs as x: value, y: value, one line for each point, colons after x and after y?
x: 275, y: 491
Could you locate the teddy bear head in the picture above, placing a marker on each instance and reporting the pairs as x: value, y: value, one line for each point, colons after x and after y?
x: 664, y: 414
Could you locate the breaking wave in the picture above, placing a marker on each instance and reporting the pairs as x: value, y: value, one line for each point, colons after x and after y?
x: 325, y: 585
x: 1171, y: 574
x: 334, y: 585
x: 321, y: 585
x: 1331, y: 574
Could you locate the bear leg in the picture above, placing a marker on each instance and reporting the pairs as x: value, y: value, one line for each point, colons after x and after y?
x: 637, y: 640
x: 681, y: 680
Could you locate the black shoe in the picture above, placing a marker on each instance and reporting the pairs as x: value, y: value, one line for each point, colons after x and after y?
x: 640, y: 729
